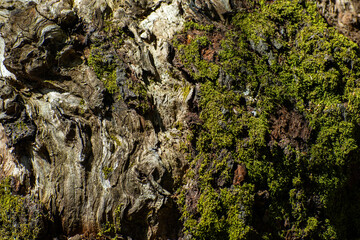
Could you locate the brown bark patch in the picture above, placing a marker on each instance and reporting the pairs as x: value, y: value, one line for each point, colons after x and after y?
x: 239, y: 174
x: 289, y: 128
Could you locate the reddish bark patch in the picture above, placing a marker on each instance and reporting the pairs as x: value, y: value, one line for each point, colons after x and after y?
x: 289, y: 128
x: 239, y: 174
x: 208, y: 54
x: 211, y: 52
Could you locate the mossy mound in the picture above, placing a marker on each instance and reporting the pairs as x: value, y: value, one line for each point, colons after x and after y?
x: 20, y: 217
x: 282, y: 105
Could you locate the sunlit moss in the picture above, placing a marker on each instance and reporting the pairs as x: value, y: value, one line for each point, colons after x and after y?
x: 279, y: 55
x: 105, y: 71
x: 190, y: 55
x: 16, y: 220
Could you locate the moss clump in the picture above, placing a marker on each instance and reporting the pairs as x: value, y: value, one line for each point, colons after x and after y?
x: 17, y: 219
x: 186, y: 90
x: 279, y: 55
x: 108, y: 63
x: 117, y: 35
x: 107, y: 171
x: 191, y: 25
x: 112, y: 229
x: 179, y: 125
x: 116, y: 140
x: 141, y: 103
x: 103, y: 58
x: 105, y: 69
x: 21, y: 126
x: 190, y: 55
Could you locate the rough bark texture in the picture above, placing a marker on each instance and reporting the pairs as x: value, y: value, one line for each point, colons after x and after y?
x: 88, y: 157
x: 93, y: 153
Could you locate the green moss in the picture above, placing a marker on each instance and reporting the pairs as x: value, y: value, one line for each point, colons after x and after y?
x: 115, y: 33
x: 105, y: 68
x: 21, y: 126
x: 280, y: 55
x: 193, y: 25
x: 105, y: 62
x: 190, y: 55
x: 116, y: 140
x: 15, y: 220
x: 183, y: 147
x: 112, y: 229
x: 142, y: 102
x: 179, y: 126
x: 105, y: 71
x: 186, y: 90
x: 107, y: 171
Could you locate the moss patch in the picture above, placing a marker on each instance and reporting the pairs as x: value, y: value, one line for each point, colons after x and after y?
x: 107, y: 171
x: 105, y: 69
x: 19, y: 217
x: 279, y: 55
x: 110, y: 67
